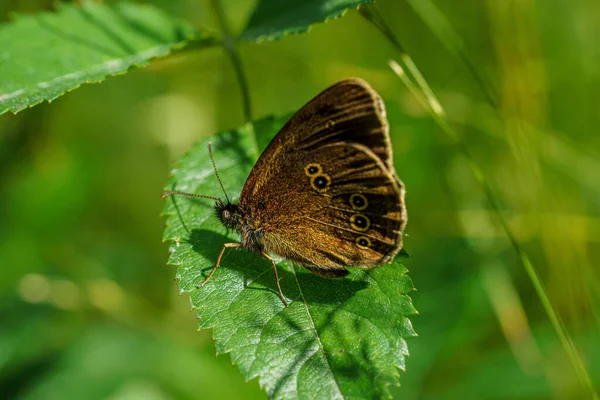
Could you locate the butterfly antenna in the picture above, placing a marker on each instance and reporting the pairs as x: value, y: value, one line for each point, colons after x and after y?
x: 170, y: 192
x: 216, y: 171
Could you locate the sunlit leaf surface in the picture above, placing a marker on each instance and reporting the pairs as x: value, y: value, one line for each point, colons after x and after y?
x: 44, y: 55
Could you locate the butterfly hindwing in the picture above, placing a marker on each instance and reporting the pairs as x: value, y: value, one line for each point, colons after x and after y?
x: 348, y: 211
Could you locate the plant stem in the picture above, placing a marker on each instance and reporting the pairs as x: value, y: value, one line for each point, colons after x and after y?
x: 430, y: 102
x: 433, y: 17
x: 229, y: 44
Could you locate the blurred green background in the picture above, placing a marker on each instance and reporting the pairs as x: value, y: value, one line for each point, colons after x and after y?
x: 88, y: 309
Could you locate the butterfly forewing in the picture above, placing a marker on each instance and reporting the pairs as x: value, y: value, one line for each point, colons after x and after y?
x: 348, y: 112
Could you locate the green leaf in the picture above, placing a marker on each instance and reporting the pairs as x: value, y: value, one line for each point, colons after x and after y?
x: 339, y: 338
x: 44, y: 55
x: 273, y: 19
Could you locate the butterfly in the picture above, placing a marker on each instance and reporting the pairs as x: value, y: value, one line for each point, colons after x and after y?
x: 324, y: 194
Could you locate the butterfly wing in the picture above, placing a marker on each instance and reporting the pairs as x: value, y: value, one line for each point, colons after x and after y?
x: 324, y: 193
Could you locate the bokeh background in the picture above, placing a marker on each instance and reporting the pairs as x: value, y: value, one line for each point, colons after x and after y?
x: 88, y: 309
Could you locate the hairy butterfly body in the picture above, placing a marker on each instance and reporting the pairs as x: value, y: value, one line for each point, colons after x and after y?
x: 324, y: 193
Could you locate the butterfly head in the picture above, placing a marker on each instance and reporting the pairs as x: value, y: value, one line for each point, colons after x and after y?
x: 229, y: 214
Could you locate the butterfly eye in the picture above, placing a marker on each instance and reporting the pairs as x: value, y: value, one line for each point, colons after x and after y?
x: 358, y: 202
x: 313, y: 169
x: 363, y: 242
x: 226, y: 214
x: 360, y: 222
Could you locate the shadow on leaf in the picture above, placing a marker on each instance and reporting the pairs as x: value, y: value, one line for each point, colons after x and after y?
x: 257, y: 271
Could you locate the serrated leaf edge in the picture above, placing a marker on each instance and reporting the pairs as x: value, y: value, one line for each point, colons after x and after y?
x: 296, y: 31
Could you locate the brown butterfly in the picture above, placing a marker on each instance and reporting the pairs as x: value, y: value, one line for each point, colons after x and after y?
x: 324, y: 193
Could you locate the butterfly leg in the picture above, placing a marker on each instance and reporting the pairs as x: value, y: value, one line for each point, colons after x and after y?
x: 265, y: 255
x: 226, y: 245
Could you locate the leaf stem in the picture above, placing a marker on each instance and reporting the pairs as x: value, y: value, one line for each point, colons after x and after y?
x: 229, y: 44
x: 430, y: 102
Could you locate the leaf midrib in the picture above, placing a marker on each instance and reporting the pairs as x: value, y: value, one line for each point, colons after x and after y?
x: 314, y: 327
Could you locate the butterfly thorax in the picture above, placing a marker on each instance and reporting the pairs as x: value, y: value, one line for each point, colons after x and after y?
x: 234, y: 217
